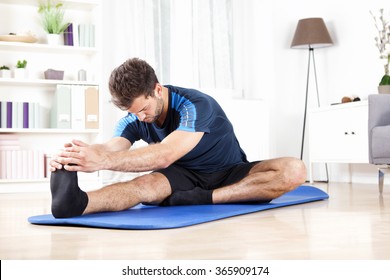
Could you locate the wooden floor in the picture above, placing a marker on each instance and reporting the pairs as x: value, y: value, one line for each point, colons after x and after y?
x: 353, y: 224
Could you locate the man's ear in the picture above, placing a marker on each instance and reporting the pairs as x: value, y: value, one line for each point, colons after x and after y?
x: 159, y: 90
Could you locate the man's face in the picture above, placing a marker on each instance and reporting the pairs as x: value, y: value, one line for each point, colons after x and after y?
x: 147, y: 109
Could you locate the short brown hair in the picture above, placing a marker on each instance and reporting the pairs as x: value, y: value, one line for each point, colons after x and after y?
x: 133, y: 78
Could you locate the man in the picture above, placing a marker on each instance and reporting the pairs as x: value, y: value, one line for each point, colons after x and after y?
x: 193, y: 154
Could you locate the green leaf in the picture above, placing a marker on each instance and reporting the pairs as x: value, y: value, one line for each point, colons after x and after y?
x: 385, y: 80
x: 52, y: 17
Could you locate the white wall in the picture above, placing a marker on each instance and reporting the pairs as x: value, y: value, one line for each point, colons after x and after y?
x: 272, y: 71
x: 278, y: 73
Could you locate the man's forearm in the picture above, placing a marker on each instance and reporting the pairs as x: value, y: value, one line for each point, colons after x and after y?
x: 142, y: 159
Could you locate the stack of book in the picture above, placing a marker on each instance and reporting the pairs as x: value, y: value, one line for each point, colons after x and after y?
x: 75, y: 107
x: 19, y: 114
x: 16, y: 163
x: 80, y: 35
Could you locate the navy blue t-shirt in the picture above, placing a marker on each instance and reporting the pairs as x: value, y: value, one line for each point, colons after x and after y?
x: 194, y: 111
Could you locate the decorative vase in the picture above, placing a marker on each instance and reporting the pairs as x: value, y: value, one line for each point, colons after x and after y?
x: 384, y: 89
x: 5, y: 73
x: 20, y: 73
x: 55, y: 39
x: 51, y: 74
x: 82, y: 75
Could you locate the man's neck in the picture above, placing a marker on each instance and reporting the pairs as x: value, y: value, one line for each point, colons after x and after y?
x: 164, y: 112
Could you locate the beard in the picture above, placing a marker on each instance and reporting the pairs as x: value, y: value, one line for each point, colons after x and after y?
x: 157, y: 112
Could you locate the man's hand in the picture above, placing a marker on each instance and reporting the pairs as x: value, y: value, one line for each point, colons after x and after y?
x: 79, y: 156
x: 54, y: 163
x: 88, y: 158
x: 83, y: 157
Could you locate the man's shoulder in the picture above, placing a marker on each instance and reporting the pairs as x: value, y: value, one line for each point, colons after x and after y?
x: 186, y: 91
x: 195, y: 96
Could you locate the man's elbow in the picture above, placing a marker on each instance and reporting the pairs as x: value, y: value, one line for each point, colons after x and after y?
x: 166, y: 158
x: 164, y: 162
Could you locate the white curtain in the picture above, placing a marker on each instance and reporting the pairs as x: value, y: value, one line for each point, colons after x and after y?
x: 188, y: 42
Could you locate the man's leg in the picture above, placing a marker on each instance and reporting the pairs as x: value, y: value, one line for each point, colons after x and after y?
x: 69, y: 200
x: 150, y: 188
x: 266, y: 180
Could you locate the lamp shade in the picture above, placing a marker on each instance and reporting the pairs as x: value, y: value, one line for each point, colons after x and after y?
x: 311, y: 33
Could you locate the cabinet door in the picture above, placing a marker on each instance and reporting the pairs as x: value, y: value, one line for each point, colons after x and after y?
x: 339, y: 135
x: 356, y: 134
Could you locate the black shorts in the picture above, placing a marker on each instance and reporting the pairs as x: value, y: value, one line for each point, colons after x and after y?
x: 192, y: 187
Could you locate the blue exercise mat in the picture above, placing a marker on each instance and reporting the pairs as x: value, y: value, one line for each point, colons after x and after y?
x: 156, y: 217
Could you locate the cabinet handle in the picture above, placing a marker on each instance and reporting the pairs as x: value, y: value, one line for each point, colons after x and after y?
x: 352, y: 133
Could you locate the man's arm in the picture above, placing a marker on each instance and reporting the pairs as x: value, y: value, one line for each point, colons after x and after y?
x: 113, y: 145
x: 152, y: 157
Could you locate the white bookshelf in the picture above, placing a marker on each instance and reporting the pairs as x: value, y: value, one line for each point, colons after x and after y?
x: 40, y: 57
x: 45, y: 48
x: 42, y: 82
x: 48, y: 131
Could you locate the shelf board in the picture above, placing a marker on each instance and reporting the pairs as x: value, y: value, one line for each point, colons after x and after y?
x: 42, y: 82
x: 68, y: 4
x: 8, y: 181
x: 43, y: 185
x: 48, y: 131
x: 37, y: 47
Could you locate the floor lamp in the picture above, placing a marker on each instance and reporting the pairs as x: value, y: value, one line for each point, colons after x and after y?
x: 311, y: 33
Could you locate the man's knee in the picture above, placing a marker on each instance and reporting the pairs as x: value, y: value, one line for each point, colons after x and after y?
x: 293, y: 173
x: 153, y: 187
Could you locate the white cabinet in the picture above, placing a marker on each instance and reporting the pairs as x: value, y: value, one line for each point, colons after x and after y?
x: 338, y: 133
x: 20, y: 16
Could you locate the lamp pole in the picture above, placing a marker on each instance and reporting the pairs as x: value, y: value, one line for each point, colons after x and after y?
x: 311, y: 54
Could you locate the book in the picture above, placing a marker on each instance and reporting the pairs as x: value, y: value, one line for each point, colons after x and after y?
x: 3, y: 165
x: 34, y: 115
x: 86, y: 35
x: 78, y: 107
x: 61, y: 109
x: 20, y: 114
x: 82, y: 35
x: 8, y: 145
x: 15, y: 109
x: 37, y: 115
x: 91, y: 35
x: 31, y: 115
x: 22, y: 164
x: 68, y: 35
x: 3, y: 121
x: 25, y: 114
x: 91, y: 107
x: 9, y: 114
x: 38, y: 164
x: 75, y: 31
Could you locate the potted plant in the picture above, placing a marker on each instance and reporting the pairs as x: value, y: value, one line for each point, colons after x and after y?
x: 52, y: 18
x: 20, y: 71
x: 5, y: 72
x: 383, y: 44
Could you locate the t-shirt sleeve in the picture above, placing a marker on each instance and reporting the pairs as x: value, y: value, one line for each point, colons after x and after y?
x: 195, y: 114
x: 127, y: 128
